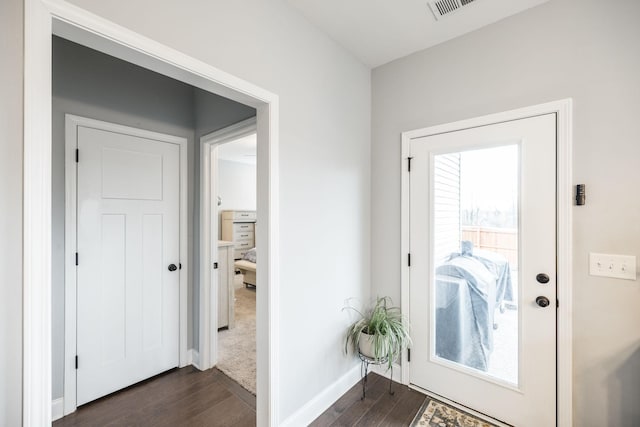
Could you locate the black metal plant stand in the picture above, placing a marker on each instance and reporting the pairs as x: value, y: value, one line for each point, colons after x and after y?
x: 364, y: 372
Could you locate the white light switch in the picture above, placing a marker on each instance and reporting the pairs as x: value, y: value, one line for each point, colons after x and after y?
x: 616, y: 266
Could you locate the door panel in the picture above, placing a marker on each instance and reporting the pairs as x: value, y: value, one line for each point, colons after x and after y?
x: 128, y: 234
x: 120, y: 166
x: 482, y: 226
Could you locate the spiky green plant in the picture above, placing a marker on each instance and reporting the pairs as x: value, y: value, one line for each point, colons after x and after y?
x: 387, y: 326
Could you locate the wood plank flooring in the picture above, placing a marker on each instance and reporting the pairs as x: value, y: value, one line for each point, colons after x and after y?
x: 188, y: 397
x: 377, y: 409
x: 180, y: 397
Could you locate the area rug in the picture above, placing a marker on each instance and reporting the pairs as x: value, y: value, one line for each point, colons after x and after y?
x: 434, y: 413
x: 237, y: 346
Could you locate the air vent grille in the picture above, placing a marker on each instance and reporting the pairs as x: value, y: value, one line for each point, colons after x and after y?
x: 441, y: 8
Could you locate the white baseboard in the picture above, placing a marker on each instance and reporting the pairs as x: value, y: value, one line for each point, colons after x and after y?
x: 386, y: 372
x: 316, y: 406
x: 193, y: 358
x: 57, y: 409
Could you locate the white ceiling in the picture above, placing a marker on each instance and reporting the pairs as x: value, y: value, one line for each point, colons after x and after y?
x: 241, y: 150
x: 379, y: 31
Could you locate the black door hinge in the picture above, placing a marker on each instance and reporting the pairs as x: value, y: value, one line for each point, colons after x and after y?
x: 76, y: 361
x: 557, y: 303
x: 77, y: 155
x: 215, y: 265
x: 408, y: 355
x: 409, y: 260
x: 409, y: 164
x: 76, y: 258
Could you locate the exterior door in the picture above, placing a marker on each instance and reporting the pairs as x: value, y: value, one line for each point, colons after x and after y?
x: 483, y: 268
x: 128, y: 260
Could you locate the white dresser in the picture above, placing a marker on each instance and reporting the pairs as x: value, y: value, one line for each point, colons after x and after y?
x: 239, y: 227
x: 226, y: 290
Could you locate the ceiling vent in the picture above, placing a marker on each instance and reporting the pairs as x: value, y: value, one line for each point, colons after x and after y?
x: 442, y: 8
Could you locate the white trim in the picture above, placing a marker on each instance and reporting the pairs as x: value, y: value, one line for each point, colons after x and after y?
x: 57, y: 409
x: 72, y: 122
x: 207, y: 313
x: 404, y: 250
x: 564, y: 235
x: 70, y: 285
x: 323, y: 400
x: 564, y: 113
x: 193, y: 358
x: 384, y: 371
x: 208, y: 338
x: 36, y: 264
x: 69, y: 21
x: 231, y: 132
x: 268, y: 246
x: 76, y: 24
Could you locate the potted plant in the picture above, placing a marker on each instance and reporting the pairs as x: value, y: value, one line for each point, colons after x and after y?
x: 380, y: 333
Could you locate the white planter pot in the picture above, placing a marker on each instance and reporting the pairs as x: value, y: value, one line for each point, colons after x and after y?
x: 365, y: 345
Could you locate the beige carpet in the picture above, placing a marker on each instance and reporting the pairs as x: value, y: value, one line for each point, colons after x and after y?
x: 237, y: 346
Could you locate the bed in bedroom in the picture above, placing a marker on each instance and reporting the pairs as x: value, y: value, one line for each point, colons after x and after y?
x: 247, y: 267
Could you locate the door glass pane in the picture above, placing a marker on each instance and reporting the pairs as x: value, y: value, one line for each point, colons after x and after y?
x: 475, y: 259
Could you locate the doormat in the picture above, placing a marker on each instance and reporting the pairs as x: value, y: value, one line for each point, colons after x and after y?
x: 434, y: 413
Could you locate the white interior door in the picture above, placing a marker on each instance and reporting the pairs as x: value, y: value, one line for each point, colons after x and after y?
x: 483, y: 265
x: 128, y: 244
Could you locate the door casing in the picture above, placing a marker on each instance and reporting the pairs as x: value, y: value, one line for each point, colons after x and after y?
x: 208, y: 340
x: 564, y: 203
x: 44, y: 18
x: 72, y: 122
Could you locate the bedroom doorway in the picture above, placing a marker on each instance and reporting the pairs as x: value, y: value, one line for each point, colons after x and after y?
x: 482, y: 276
x: 229, y: 224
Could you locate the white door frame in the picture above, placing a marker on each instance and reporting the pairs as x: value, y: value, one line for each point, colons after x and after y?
x: 72, y: 122
x: 564, y: 193
x: 44, y: 18
x: 208, y: 337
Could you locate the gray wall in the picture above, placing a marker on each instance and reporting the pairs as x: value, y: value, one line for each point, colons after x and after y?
x: 324, y: 111
x: 94, y: 85
x: 90, y: 84
x: 584, y: 49
x: 11, y: 106
x: 211, y: 113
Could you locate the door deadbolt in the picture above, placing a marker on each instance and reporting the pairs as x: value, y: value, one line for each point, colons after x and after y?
x: 542, y: 278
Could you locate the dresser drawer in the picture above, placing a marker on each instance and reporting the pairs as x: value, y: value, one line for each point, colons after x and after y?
x: 239, y: 215
x: 239, y: 253
x: 243, y: 235
x: 244, y: 245
x: 239, y: 227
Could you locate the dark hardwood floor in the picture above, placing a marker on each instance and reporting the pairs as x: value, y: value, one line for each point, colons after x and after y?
x: 378, y: 408
x: 188, y: 397
x: 181, y: 397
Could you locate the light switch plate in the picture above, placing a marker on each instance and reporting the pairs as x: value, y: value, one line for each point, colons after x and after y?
x: 609, y: 265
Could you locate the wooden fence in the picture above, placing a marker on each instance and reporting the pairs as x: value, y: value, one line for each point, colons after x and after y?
x: 500, y: 240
